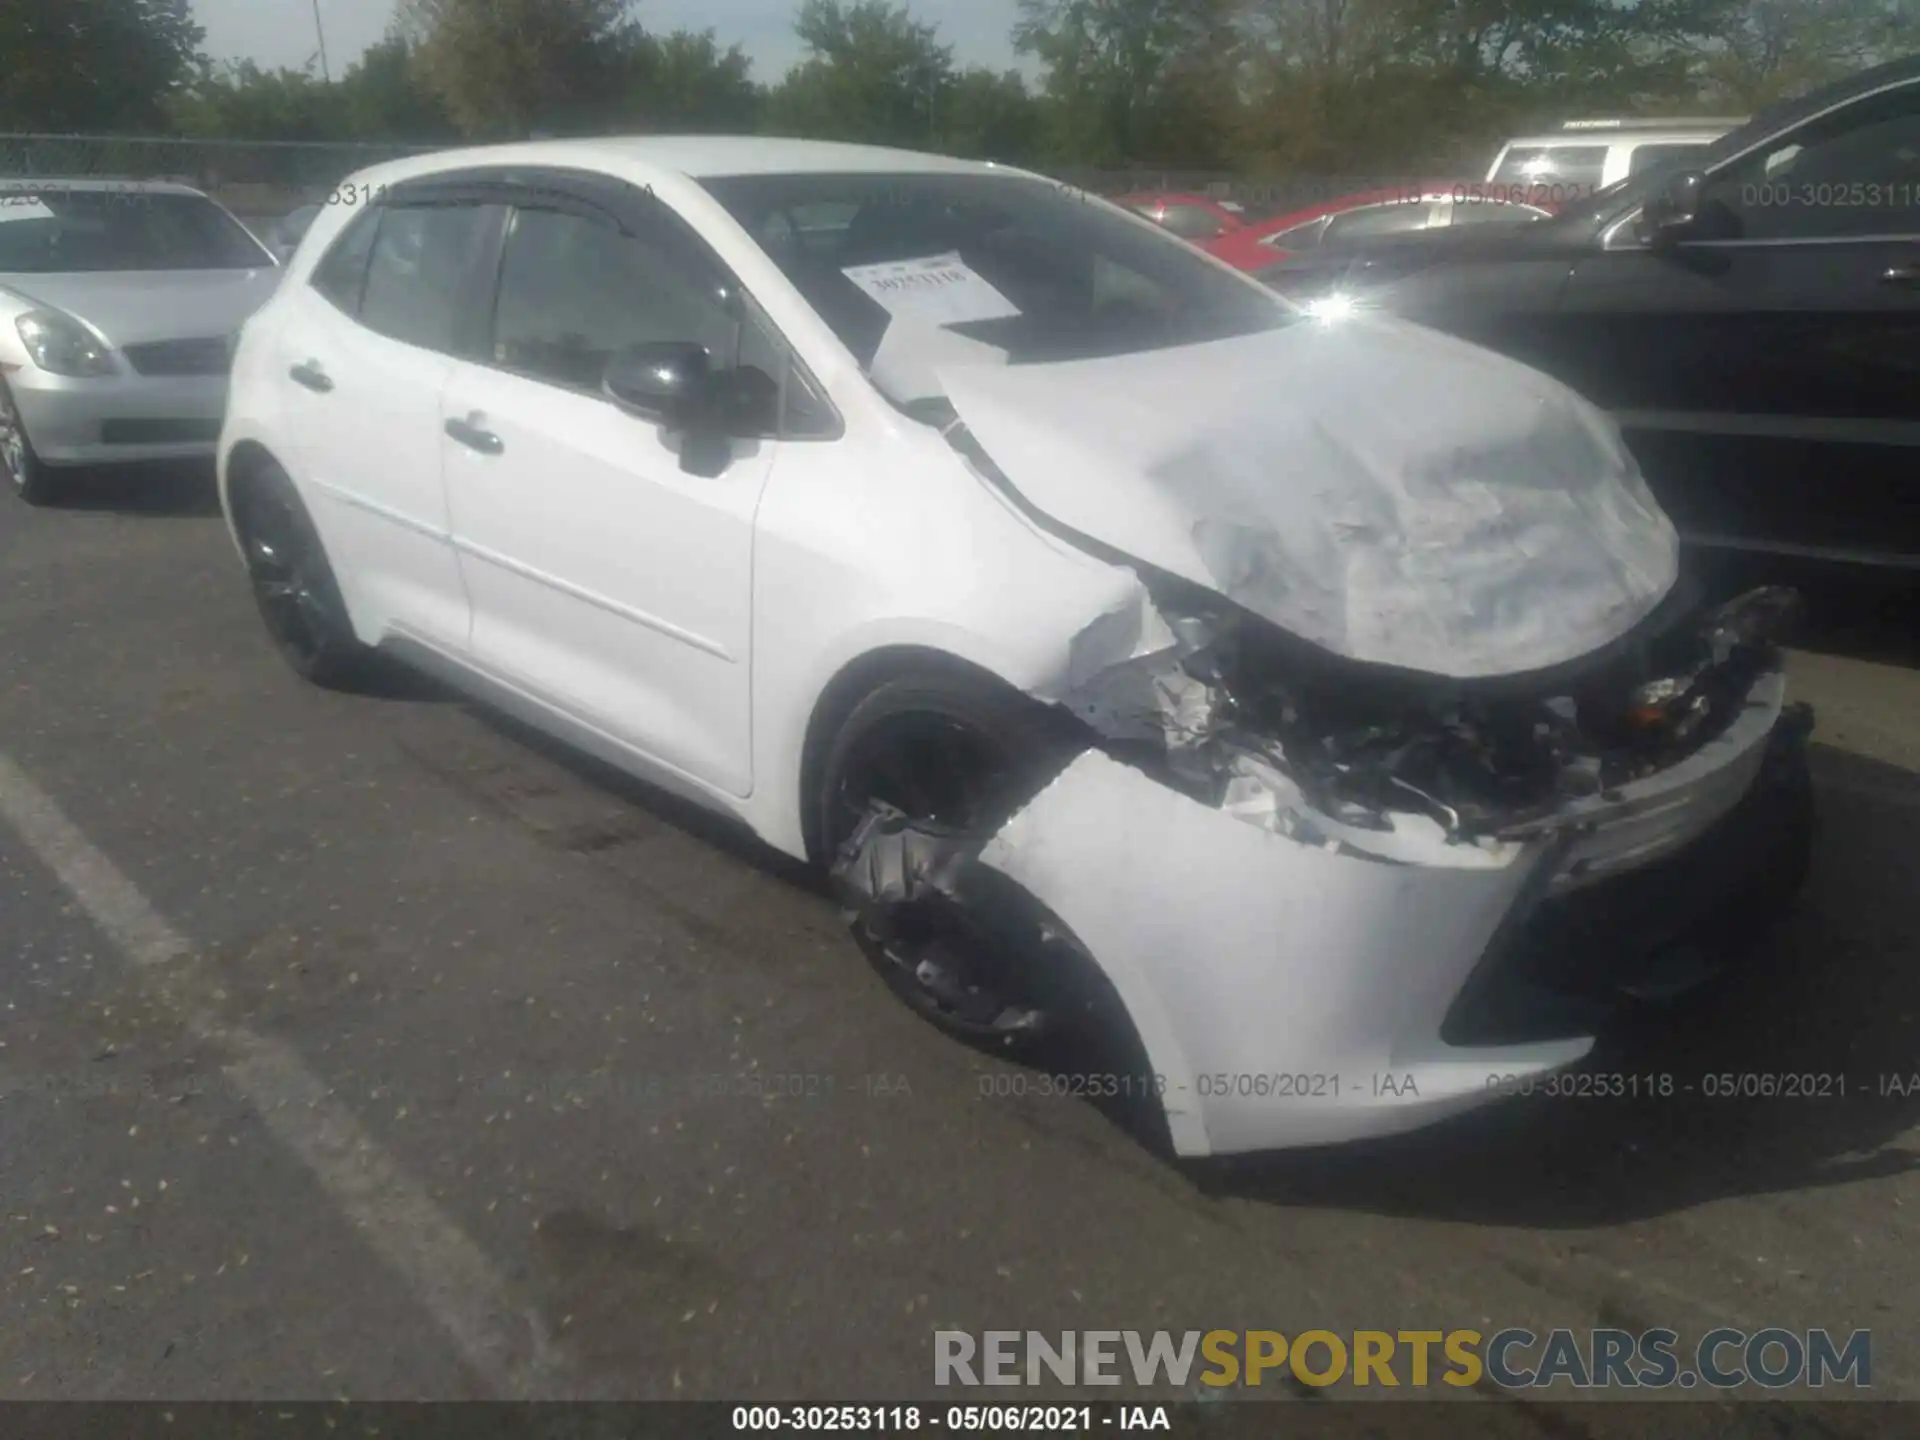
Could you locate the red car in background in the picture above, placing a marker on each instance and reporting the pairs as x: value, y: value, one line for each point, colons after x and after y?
x: 1198, y: 218
x: 1391, y: 210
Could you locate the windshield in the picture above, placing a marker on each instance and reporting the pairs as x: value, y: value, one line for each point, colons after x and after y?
x: 51, y: 231
x: 1026, y: 266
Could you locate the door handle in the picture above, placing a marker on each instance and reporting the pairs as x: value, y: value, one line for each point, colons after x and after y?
x: 1901, y: 275
x: 309, y: 374
x: 475, y: 438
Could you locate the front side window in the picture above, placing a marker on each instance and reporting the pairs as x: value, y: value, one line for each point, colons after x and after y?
x: 1852, y: 173
x: 1396, y: 217
x: 423, y: 257
x: 575, y: 291
x: 51, y: 231
x: 1034, y: 269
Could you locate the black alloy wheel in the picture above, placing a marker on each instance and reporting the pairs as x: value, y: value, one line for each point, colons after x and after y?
x: 954, y: 758
x: 293, y: 583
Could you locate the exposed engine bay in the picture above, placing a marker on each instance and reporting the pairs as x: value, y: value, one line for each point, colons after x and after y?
x: 1242, y: 717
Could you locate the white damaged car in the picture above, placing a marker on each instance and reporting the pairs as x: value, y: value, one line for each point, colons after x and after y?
x: 1323, y: 694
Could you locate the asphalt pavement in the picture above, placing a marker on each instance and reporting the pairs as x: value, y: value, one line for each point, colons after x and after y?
x: 367, y: 1046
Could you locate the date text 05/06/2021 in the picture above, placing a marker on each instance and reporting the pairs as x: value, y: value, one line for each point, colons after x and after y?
x: 954, y: 1419
x: 1389, y: 1085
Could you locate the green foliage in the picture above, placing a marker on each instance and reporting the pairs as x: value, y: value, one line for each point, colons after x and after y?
x: 685, y: 82
x: 1383, y: 88
x: 988, y: 116
x: 1135, y: 80
x: 383, y: 97
x: 504, y: 68
x: 871, y: 73
x: 98, y: 65
x: 1765, y: 50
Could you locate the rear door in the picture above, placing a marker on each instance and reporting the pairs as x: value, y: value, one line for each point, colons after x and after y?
x: 363, y: 354
x: 1767, y: 370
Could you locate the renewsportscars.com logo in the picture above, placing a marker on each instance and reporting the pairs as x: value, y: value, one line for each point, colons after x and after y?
x: 1513, y: 1359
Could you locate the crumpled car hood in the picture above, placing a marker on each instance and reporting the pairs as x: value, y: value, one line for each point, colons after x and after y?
x: 1383, y: 491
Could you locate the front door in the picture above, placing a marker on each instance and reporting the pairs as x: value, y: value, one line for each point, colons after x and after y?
x: 605, y: 579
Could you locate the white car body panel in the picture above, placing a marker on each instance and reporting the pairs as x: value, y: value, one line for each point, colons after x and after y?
x: 640, y: 617
x: 688, y: 629
x: 1619, y: 145
x: 376, y: 491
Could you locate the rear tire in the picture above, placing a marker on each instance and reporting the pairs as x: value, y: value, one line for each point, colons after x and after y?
x: 293, y: 583
x: 24, y: 470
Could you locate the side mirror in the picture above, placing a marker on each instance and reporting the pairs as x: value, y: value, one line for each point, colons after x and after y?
x: 1673, y: 209
x: 670, y: 381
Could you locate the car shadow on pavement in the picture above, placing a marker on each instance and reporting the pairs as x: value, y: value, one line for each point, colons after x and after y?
x: 162, y: 491
x: 1834, y: 993
x: 719, y: 832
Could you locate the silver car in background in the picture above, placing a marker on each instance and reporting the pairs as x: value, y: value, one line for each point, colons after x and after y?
x: 119, y: 303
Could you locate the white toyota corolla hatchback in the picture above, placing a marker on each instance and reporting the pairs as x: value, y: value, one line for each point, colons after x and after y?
x: 1319, y: 702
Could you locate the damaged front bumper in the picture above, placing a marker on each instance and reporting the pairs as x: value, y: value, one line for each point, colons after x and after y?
x: 1326, y: 929
x: 1286, y: 994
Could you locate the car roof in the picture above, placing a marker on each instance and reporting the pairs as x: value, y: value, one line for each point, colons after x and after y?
x: 15, y: 184
x: 1702, y: 134
x: 1429, y: 191
x: 698, y: 157
x: 1838, y: 92
x: 1164, y: 197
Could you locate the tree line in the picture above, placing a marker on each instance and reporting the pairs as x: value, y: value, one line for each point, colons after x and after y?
x: 1249, y: 86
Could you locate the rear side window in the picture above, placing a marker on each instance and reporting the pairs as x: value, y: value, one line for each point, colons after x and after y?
x: 1493, y: 212
x: 1554, y: 173
x: 423, y: 257
x: 1190, y: 222
x: 1394, y: 218
x: 1645, y: 157
x: 342, y: 271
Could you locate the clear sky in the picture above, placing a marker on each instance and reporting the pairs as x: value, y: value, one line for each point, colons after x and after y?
x: 281, y: 32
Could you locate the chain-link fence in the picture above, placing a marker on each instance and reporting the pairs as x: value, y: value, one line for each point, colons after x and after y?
x: 259, y: 180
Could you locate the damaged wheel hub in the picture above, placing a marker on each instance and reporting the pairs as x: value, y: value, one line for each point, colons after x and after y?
x: 909, y: 890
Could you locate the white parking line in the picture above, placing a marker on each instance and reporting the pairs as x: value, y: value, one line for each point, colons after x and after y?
x: 446, y: 1271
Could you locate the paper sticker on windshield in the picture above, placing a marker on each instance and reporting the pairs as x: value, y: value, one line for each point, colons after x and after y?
x: 22, y: 205
x: 940, y: 289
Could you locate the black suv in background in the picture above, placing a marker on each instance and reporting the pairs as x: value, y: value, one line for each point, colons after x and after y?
x: 1750, y: 315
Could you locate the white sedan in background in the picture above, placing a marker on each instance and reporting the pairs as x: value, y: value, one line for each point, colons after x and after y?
x: 1317, y: 704
x: 119, y: 303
